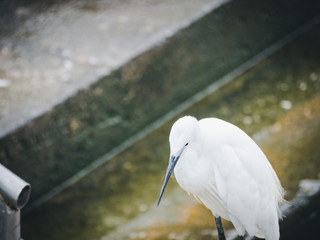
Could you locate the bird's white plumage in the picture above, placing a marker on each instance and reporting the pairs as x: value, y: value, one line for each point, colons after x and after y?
x: 226, y: 170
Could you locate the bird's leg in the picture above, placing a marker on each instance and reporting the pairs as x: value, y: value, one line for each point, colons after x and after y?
x: 220, y: 228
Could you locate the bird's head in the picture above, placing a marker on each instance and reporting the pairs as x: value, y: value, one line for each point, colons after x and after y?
x: 181, y: 134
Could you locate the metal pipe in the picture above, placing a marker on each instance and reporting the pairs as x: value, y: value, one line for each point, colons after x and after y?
x: 14, y: 195
x: 13, y: 189
x: 9, y: 222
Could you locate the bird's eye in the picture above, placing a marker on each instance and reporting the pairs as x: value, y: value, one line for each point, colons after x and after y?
x: 186, y: 144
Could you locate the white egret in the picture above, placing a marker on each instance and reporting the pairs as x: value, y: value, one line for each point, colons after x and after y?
x: 222, y: 167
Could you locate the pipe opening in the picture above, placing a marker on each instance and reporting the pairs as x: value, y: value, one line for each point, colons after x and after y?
x: 24, y: 196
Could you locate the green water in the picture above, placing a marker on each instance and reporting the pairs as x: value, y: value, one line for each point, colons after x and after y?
x: 277, y: 102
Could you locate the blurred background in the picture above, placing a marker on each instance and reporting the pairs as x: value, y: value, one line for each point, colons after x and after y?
x: 89, y: 90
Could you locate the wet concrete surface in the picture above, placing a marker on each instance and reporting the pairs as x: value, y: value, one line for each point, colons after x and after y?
x: 51, y: 50
x: 277, y: 102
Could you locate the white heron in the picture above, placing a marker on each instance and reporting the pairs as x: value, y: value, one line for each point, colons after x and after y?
x: 222, y: 167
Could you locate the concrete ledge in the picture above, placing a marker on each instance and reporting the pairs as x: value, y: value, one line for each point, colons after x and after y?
x: 51, y: 50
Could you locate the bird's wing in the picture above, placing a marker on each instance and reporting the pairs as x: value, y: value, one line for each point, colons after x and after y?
x: 243, y: 186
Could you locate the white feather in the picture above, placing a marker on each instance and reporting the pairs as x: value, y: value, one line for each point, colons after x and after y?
x: 227, y: 171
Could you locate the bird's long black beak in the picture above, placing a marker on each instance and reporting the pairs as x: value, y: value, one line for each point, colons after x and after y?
x: 172, y: 163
